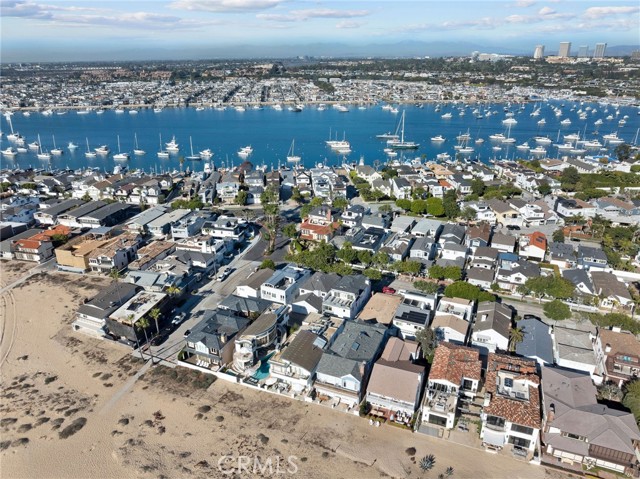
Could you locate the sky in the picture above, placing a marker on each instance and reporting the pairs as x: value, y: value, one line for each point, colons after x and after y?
x: 59, y: 30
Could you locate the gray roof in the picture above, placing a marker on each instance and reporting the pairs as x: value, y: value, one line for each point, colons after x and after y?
x: 481, y: 274
x: 502, y: 239
x: 562, y: 251
x: 61, y: 207
x: 244, y: 306
x: 320, y: 281
x: 217, y: 328
x: 107, y: 210
x: 486, y: 252
x: 412, y: 314
x: 303, y: 350
x: 452, y: 232
x: 577, y: 276
x: 354, y: 283
x: 493, y: 316
x: 108, y: 300
x: 337, y: 366
x: 454, y: 247
x: 587, y: 252
x: 423, y: 244
x: 255, y: 280
x: 426, y: 225
x: 312, y: 299
x: 84, y: 209
x: 537, y: 341
x: 359, y: 341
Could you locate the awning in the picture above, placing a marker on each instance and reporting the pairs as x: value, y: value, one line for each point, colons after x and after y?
x: 493, y: 437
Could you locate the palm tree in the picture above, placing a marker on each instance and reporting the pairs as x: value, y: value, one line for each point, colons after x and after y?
x: 155, y: 315
x: 115, y: 275
x: 130, y: 318
x: 449, y: 471
x: 516, y: 335
x: 427, y: 462
x: 143, y: 323
x: 173, y: 290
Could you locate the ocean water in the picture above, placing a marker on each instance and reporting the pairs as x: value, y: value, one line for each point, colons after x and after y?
x: 271, y: 132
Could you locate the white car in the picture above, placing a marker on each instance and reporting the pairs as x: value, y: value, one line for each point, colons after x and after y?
x: 179, y: 319
x: 222, y: 275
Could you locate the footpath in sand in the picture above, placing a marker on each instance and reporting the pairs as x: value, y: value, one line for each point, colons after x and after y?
x: 69, y: 408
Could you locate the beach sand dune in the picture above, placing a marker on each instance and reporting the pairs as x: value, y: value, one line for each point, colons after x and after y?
x: 66, y: 411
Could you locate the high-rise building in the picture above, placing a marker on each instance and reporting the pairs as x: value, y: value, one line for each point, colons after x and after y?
x: 538, y: 54
x: 565, y: 49
x: 583, y: 51
x: 599, y: 51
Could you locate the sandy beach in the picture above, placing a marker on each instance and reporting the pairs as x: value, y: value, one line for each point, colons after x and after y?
x: 75, y: 407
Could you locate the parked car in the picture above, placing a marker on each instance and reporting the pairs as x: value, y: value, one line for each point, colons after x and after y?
x: 179, y: 319
x: 530, y: 316
x: 224, y: 274
x: 513, y: 228
x: 158, y: 340
x: 388, y: 290
x: 187, y: 333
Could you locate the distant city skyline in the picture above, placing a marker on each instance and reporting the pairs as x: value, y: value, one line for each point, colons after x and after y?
x: 73, y: 30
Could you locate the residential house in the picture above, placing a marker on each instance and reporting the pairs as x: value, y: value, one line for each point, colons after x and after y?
x: 427, y: 227
x: 581, y: 280
x: 533, y: 246
x: 511, y: 412
x: 319, y: 284
x: 381, y: 308
x: 123, y: 322
x: 283, y: 284
x: 454, y: 252
x: 39, y: 247
x: 462, y: 308
x: 484, y: 213
x: 140, y: 222
x: 226, y: 228
x: 568, y: 208
x: 211, y: 343
x: 591, y: 258
x: 414, y: 313
x: 396, y: 383
x: 108, y: 215
x: 580, y: 431
x: 116, y: 254
x: 347, y: 296
x: 423, y: 249
x: 296, y: 363
x: 398, y: 246
x: 450, y: 328
x: 478, y: 236
x: 228, y: 187
x: 492, y: 327
x: 562, y: 255
x: 367, y: 173
x: 612, y: 292
x: 400, y: 188
x: 456, y: 371
x: 573, y: 349
x: 505, y: 213
x: 503, y: 242
x: 48, y: 215
x: 484, y: 257
x: 536, y: 343
x: 369, y: 239
x: 618, y: 355
x: 402, y: 224
x: 352, y: 215
x: 344, y: 368
x: 91, y: 316
x: 482, y: 277
x: 187, y: 226
x: 516, y: 274
x: 250, y: 288
x: 452, y: 233
x: 320, y: 225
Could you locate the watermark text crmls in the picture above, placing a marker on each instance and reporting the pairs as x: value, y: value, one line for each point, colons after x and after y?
x: 263, y: 466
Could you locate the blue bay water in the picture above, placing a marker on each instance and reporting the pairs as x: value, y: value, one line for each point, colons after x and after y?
x: 270, y: 133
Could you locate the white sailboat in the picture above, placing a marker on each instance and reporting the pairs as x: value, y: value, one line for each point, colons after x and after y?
x: 162, y: 154
x: 137, y: 150
x: 55, y: 151
x: 120, y: 156
x: 508, y: 139
x: 192, y: 157
x: 291, y: 157
x: 42, y: 155
x: 89, y: 153
x: 403, y: 145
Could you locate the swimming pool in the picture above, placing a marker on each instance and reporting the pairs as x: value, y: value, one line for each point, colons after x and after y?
x: 263, y: 370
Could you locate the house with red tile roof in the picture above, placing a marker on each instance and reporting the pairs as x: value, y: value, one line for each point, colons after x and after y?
x: 533, y: 246
x: 319, y: 225
x: 39, y: 247
x: 455, y: 372
x: 511, y: 413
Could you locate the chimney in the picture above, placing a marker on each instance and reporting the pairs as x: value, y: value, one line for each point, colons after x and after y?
x: 607, y: 348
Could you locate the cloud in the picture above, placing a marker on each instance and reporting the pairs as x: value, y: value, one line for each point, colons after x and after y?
x: 600, y: 12
x: 224, y: 6
x: 524, y: 3
x: 307, y: 14
x: 546, y: 11
x: 348, y: 24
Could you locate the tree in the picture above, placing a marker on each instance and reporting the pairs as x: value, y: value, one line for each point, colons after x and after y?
x: 155, y: 315
x: 403, y: 203
x: 86, y: 197
x: 623, y: 152
x: 241, y: 198
x: 380, y: 259
x: 569, y: 178
x: 385, y: 209
x: 544, y: 189
x: 427, y: 287
x: 377, y: 195
x: 347, y: 253
x: 516, y: 335
x: 115, y: 275
x: 435, y: 207
x: 317, y: 201
x: 290, y: 230
x: 558, y: 235
x: 436, y: 272
x: 297, y: 196
x: 372, y: 274
x: 419, y: 207
x: 427, y: 462
x: 468, y: 213
x: 365, y: 257
x: 340, y: 203
x: 557, y: 310
x: 464, y: 290
x: 268, y: 264
x: 552, y: 285
x: 452, y: 272
x: 632, y: 397
x: 305, y: 210
x: 173, y: 290
x: 428, y: 342
x: 478, y: 187
x: 450, y: 204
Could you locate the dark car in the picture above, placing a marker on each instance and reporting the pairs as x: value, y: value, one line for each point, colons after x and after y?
x: 530, y: 316
x: 513, y: 228
x: 187, y: 333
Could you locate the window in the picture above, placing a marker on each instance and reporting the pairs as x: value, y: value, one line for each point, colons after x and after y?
x: 495, y: 421
x: 574, y: 436
x: 522, y: 429
x: 519, y: 442
x: 508, y: 382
